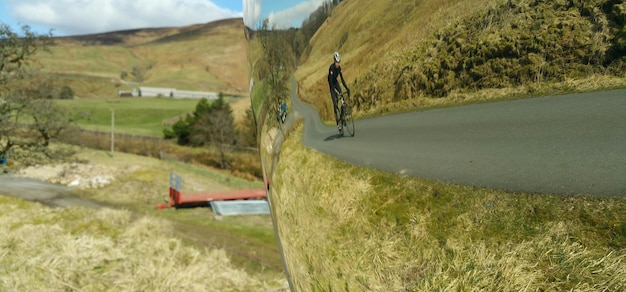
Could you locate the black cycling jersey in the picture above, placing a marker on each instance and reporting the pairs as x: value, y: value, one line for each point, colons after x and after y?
x: 333, y: 73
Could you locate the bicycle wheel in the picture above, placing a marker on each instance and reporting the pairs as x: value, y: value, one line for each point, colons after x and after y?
x: 339, y: 115
x: 348, y: 123
x: 346, y: 120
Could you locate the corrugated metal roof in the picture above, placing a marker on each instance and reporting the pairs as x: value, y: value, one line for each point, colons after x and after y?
x: 240, y: 207
x: 173, y: 92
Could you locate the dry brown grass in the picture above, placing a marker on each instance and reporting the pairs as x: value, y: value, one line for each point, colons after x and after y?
x: 204, y: 57
x: 386, y: 71
x: 245, y: 245
x: 244, y: 163
x: 372, y: 231
x: 147, y: 185
x: 81, y: 249
x: 239, y: 107
x: 377, y: 31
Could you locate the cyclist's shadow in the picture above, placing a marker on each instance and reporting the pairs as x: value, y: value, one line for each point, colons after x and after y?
x: 333, y: 137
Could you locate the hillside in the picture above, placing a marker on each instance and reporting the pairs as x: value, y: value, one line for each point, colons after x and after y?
x: 367, y: 33
x: 343, y: 227
x: 202, y: 57
x: 400, y: 55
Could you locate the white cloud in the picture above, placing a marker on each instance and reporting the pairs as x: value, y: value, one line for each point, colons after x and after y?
x: 251, y: 12
x: 75, y: 17
x: 295, y: 15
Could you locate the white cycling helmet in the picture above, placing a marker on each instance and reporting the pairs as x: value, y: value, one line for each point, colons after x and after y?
x: 337, y: 57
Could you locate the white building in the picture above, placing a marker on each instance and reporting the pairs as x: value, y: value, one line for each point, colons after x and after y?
x: 195, y: 94
x: 173, y: 93
x: 156, y: 91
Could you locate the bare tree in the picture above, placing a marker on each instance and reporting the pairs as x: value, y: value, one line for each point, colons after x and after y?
x: 29, y: 120
x: 16, y: 50
x: 276, y: 65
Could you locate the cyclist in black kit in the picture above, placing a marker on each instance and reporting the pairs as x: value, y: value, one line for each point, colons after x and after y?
x: 333, y: 72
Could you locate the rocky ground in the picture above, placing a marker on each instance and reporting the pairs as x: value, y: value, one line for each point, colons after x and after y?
x: 75, y: 175
x: 53, y: 185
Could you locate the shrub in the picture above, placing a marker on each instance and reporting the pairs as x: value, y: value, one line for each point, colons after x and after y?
x: 508, y: 45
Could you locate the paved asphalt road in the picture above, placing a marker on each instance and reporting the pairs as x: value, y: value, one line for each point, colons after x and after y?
x: 569, y: 144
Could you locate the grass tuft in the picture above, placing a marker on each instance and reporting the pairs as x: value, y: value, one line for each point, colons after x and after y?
x: 376, y: 231
x: 45, y: 249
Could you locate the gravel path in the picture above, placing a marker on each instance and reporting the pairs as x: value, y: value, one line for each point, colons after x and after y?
x: 49, y: 194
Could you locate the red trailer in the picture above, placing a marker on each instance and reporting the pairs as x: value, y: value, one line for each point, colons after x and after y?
x: 181, y: 200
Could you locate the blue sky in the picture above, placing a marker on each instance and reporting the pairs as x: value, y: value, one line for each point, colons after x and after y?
x: 76, y: 17
x: 281, y: 13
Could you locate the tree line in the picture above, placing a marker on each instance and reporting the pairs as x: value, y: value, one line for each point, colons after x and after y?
x: 282, y: 50
x: 30, y: 120
x: 211, y: 124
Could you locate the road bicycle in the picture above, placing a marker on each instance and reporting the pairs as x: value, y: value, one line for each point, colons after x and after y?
x: 282, y: 112
x: 345, y: 115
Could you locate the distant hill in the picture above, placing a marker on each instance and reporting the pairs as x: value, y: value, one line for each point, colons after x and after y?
x: 200, y: 57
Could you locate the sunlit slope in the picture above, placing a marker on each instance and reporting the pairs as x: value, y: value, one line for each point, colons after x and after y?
x: 368, y: 32
x: 411, y: 54
x: 204, y: 57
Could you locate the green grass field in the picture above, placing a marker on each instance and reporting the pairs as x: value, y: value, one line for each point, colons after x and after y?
x: 136, y: 116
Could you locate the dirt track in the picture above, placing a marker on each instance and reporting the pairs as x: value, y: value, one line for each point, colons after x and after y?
x: 243, y: 252
x: 40, y: 191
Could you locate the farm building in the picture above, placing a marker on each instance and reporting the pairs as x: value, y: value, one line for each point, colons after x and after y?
x: 123, y: 93
x: 156, y: 91
x: 195, y: 94
x: 173, y: 93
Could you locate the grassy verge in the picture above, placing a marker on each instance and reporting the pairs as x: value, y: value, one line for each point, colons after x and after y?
x: 77, y: 248
x: 258, y: 91
x: 248, y: 240
x: 244, y: 244
x: 370, y: 230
